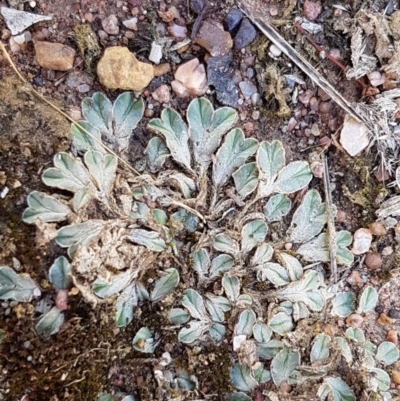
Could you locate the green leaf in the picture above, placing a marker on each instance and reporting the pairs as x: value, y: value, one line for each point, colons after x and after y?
x: 206, y: 128
x: 157, y: 152
x: 368, y: 300
x: 309, y: 218
x: 98, y: 112
x: 253, y: 233
x: 231, y: 286
x: 102, y: 168
x: 194, y: 303
x: 246, y: 179
x: 60, y: 274
x: 270, y: 159
x: 160, y: 216
x: 381, y: 380
x: 283, y: 365
x: 69, y: 174
x: 83, y: 233
x: 245, y: 323
x: 281, y: 323
x: 217, y: 306
x: 320, y: 349
x: 104, y: 289
x: 51, y: 322
x: 201, y: 262
x: 125, y: 305
x: 387, y: 353
x: 192, y: 333
x: 292, y: 265
x: 139, y: 211
x: 189, y: 220
x: 269, y: 350
x: 84, y: 142
x: 217, y: 331
x: 150, y: 239
x: 262, y: 332
x: 45, y: 208
x: 17, y: 287
x: 355, y: 334
x: 262, y: 255
x: 185, y: 184
x: 343, y: 304
x: 221, y: 264
x: 242, y: 378
x: 278, y: 206
x: 293, y: 177
x: 339, y: 389
x: 262, y: 375
x: 175, y: 133
x: 239, y: 396
x: 224, y: 243
x: 143, y: 341
x: 345, y: 349
x: 178, y: 316
x: 165, y: 285
x: 81, y: 198
x: 127, y: 113
x: 274, y: 273
x: 234, y: 151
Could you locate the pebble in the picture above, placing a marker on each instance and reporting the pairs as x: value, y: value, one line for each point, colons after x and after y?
x: 250, y: 73
x: 131, y: 23
x: 377, y: 228
x: 255, y: 98
x: 120, y: 69
x: 354, y: 136
x: 315, y: 130
x: 179, y: 32
x: 291, y: 124
x: 232, y: 20
x: 387, y: 250
x: 312, y: 9
x: 376, y: 78
x: 247, y: 89
x: 275, y: 51
x: 84, y: 88
x: 341, y: 216
x: 255, y: 115
x: 162, y: 69
x: 354, y: 278
x: 305, y: 97
x: 384, y: 319
x: 162, y: 94
x: 373, y: 261
x: 396, y: 377
x: 102, y: 34
x: 392, y: 337
x: 245, y: 35
x: 14, y: 46
x: 212, y: 38
x: 220, y: 76
x: 394, y: 313
x: 149, y: 113
x: 54, y: 56
x: 362, y: 241
x: 5, y: 34
x: 88, y: 17
x: 354, y: 320
x: 381, y: 174
x: 110, y: 25
x: 192, y: 77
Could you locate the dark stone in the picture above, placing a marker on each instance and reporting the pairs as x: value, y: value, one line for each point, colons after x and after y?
x: 245, y: 35
x: 220, y: 76
x: 394, y: 313
x: 198, y: 5
x: 232, y: 21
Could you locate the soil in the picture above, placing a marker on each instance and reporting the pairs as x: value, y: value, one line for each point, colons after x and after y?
x: 90, y: 355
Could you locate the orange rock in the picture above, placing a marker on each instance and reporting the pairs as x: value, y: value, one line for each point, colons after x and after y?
x: 377, y: 228
x: 355, y: 320
x: 54, y: 56
x: 392, y: 337
x: 384, y: 319
x: 396, y: 377
x: 373, y: 261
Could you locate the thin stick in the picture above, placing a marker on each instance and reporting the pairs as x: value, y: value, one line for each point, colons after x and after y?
x: 274, y: 36
x: 71, y: 120
x: 331, y: 220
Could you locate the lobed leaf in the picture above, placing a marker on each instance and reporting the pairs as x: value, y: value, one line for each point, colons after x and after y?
x: 281, y: 323
x: 17, y: 287
x: 84, y: 142
x: 165, y: 285
x: 269, y: 350
x: 217, y: 306
x: 157, y: 152
x: 320, y: 349
x: 343, y: 304
x: 387, y: 353
x: 201, y: 262
x: 60, y: 274
x: 246, y: 179
x: 224, y: 243
x: 217, y: 331
x: 262, y: 255
x: 242, y: 378
x: 253, y: 233
x: 293, y: 177
x: 150, y: 239
x: 283, y: 365
x: 192, y: 333
x: 245, y: 323
x: 221, y: 264
x: 82, y: 233
x: 125, y: 305
x: 178, y: 316
x: 368, y: 300
x: 274, y: 273
x: 194, y: 303
x: 262, y: 332
x: 98, y: 112
x: 51, y: 322
x: 231, y: 285
x: 277, y: 207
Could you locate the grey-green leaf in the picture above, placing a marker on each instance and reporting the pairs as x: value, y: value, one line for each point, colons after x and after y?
x: 104, y: 289
x: 178, y: 316
x: 175, y: 133
x: 125, y: 305
x: 320, y: 349
x: 277, y: 207
x: 60, y: 274
x: 98, y: 111
x: 82, y: 233
x: 84, y: 142
x: 274, y: 273
x: 217, y: 306
x: 292, y: 265
x: 281, y: 323
x: 339, y: 389
x: 343, y: 304
x: 165, y: 285
x: 201, y: 262
x: 17, y: 287
x: 262, y: 255
x: 356, y: 334
x: 253, y: 233
x: 149, y: 239
x: 283, y: 364
x: 293, y: 177
x: 270, y: 159
x: 69, y: 174
x: 245, y: 323
x: 368, y: 300
x: 224, y: 243
x: 127, y: 113
x: 192, y: 333
x: 157, y: 152
x: 51, y: 322
x: 269, y: 350
x: 207, y: 127
x: 246, y: 179
x: 309, y: 218
x: 189, y: 220
x: 231, y: 286
x: 387, y: 353
x: 242, y: 378
x: 194, y: 303
x: 221, y: 264
x: 381, y: 380
x: 144, y: 341
x: 217, y: 331
x: 234, y: 151
x: 262, y: 332
x: 45, y: 208
x: 345, y: 349
x: 239, y: 396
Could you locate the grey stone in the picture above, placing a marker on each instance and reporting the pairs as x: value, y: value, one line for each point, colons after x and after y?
x: 245, y: 35
x: 232, y: 20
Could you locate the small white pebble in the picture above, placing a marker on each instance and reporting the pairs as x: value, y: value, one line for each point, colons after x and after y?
x: 275, y: 51
x: 4, y: 192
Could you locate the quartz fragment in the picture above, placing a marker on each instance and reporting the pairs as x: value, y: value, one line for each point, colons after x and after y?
x: 354, y: 136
